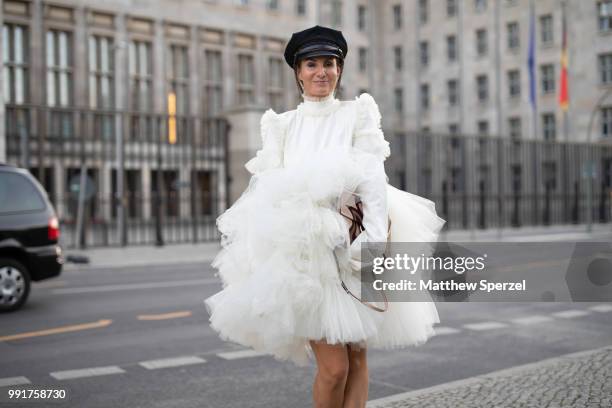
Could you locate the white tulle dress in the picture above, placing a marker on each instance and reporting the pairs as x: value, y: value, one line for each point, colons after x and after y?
x: 281, y: 285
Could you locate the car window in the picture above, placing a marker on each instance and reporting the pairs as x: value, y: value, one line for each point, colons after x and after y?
x: 18, y: 194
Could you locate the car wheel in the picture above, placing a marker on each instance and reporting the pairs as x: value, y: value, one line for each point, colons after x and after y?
x: 14, y: 284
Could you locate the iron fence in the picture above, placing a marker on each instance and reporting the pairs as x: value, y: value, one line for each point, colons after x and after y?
x: 141, y: 182
x: 484, y: 182
x: 172, y: 185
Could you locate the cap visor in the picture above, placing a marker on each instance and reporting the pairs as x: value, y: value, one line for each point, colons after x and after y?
x: 318, y: 53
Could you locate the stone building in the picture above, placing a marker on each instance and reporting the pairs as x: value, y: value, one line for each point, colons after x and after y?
x: 106, y: 68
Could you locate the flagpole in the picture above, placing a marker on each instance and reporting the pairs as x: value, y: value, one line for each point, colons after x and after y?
x: 566, y: 62
x: 565, y: 65
x: 531, y: 62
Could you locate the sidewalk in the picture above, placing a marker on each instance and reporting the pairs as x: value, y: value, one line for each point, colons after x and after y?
x: 142, y: 255
x: 566, y: 232
x: 574, y: 380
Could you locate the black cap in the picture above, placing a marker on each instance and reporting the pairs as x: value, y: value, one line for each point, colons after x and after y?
x: 315, y: 41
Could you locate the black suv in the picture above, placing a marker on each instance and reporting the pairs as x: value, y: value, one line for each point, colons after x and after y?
x: 29, y: 234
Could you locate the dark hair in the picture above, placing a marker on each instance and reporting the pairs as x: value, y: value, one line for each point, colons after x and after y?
x: 339, y: 62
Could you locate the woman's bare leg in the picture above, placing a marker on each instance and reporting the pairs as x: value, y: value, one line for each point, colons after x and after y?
x: 332, y: 371
x: 356, y: 390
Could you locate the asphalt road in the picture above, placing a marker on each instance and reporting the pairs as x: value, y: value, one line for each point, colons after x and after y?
x: 127, y: 322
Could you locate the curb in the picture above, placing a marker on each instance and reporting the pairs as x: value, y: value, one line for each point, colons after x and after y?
x: 398, y: 398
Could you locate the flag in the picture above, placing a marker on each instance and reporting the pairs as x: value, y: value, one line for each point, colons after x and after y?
x: 531, y: 59
x: 563, y: 90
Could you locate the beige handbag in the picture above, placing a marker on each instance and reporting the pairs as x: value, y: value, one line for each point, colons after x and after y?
x: 351, y: 208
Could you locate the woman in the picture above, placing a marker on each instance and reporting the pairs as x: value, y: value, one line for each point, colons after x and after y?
x: 282, y: 291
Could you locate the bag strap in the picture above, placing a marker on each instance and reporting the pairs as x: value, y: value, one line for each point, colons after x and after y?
x: 378, y: 309
x: 356, y: 227
x: 347, y: 290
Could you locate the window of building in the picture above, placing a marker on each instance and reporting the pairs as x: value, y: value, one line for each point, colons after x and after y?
x: 399, y: 100
x: 451, y: 48
x: 361, y: 17
x: 336, y: 14
x: 451, y: 8
x: 213, y: 83
x: 246, y: 79
x: 549, y: 126
x: 164, y: 183
x: 397, y: 57
x: 101, y: 68
x: 206, y: 182
x: 514, y: 83
x: 514, y: 126
x: 546, y: 29
x: 275, y: 83
x: 512, y: 30
x: 60, y: 86
x: 15, y: 63
x: 141, y: 76
x: 605, y: 68
x: 606, y: 122
x: 397, y: 16
x: 604, y: 12
x: 59, y: 68
x: 453, y: 92
x: 483, y: 128
x: 453, y: 129
x: 101, y: 88
x: 424, y: 96
x: 133, y: 192
x: 272, y: 4
x: 178, y: 70
x: 547, y: 73
x: 424, y: 53
x: 480, y: 6
x: 363, y: 59
x: 481, y: 42
x: 300, y: 7
x: 141, y: 88
x: 423, y: 11
x: 482, y: 87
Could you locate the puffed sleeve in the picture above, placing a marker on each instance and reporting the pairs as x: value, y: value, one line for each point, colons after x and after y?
x: 272, y: 134
x: 368, y: 138
x: 368, y: 135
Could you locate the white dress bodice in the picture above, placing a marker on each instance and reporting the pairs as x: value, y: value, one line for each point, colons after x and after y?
x: 318, y: 123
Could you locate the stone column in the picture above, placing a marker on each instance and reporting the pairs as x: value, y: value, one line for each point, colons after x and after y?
x: 244, y: 141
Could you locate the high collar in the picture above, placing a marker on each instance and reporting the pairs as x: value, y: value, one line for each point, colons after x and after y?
x: 313, y: 105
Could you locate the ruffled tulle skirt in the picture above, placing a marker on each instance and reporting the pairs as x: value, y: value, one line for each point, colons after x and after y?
x: 281, y: 283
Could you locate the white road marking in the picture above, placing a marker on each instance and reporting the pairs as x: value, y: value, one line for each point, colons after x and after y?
x: 568, y: 314
x: 86, y: 372
x: 532, y: 319
x: 132, y: 286
x: 233, y: 355
x: 602, y: 308
x: 5, y: 382
x: 485, y: 325
x: 171, y: 362
x: 442, y: 330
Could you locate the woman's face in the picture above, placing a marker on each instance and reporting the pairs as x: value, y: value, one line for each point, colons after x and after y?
x: 319, y: 75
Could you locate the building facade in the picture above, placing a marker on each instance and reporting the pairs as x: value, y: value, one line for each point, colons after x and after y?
x: 120, y: 71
